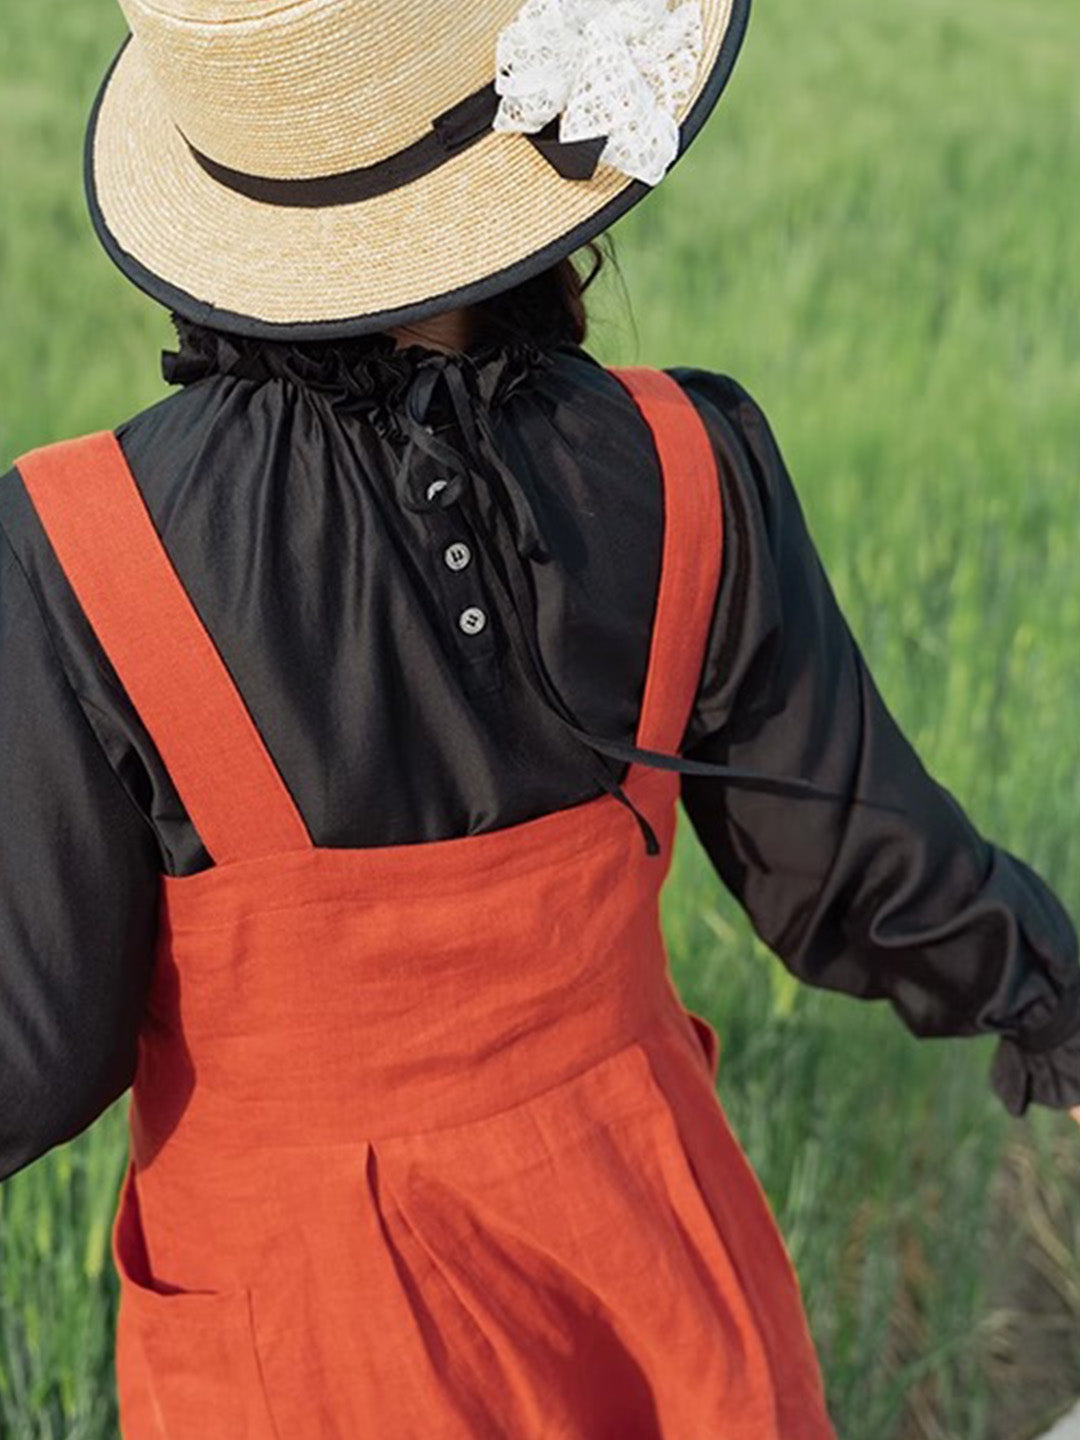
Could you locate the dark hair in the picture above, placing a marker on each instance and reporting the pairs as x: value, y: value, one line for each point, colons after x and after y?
x: 548, y: 306
x: 546, y: 310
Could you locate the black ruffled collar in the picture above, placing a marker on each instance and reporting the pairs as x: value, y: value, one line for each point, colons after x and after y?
x: 368, y: 374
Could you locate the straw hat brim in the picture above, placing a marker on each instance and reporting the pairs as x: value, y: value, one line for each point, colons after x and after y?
x: 487, y: 218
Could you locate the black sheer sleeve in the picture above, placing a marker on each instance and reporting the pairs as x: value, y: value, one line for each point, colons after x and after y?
x: 961, y: 936
x: 79, y: 870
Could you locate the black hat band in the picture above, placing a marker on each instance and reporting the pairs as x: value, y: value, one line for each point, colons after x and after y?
x: 451, y: 132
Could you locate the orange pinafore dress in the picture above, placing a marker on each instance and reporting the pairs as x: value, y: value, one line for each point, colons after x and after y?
x: 423, y: 1143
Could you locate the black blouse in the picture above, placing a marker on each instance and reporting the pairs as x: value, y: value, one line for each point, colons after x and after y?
x: 296, y: 489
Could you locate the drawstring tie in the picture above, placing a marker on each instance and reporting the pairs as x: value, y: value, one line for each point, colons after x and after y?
x: 479, y: 460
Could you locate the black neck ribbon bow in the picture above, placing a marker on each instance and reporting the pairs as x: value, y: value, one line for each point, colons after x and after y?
x: 477, y: 461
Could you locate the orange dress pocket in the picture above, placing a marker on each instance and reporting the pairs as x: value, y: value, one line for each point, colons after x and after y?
x: 186, y: 1364
x: 571, y: 1260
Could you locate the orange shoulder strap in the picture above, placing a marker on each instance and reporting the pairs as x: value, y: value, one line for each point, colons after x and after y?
x: 106, y: 542
x: 108, y: 547
x: 690, y: 557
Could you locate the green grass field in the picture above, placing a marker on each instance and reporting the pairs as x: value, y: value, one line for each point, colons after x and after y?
x: 877, y: 235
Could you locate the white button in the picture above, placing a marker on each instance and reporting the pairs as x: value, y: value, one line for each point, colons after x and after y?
x: 434, y: 488
x: 457, y: 555
x: 472, y: 620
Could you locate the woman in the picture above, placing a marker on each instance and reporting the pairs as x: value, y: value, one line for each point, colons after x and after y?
x: 319, y: 675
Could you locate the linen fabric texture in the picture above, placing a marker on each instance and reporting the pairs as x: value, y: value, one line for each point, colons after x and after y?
x: 268, y: 473
x: 423, y: 1140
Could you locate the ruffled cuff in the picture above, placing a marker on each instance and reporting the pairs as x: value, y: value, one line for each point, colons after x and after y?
x: 1040, y: 1065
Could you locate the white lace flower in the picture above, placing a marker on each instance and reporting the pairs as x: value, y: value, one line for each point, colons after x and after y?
x: 619, y: 68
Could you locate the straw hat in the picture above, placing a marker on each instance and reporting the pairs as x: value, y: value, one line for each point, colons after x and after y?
x: 298, y: 169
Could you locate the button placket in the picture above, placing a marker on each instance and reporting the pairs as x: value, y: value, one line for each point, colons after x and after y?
x: 461, y: 582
